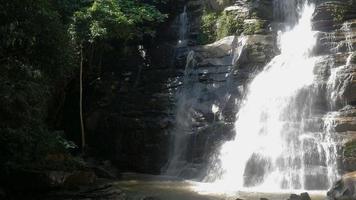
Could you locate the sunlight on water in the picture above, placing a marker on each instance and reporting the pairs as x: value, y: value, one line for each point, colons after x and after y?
x: 215, y: 188
x: 259, y: 119
x: 269, y: 150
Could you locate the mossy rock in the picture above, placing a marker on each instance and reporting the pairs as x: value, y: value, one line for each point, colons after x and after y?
x: 350, y: 149
x: 254, y: 26
x: 217, y: 25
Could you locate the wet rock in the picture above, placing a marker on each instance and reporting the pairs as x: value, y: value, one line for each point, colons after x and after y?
x: 305, y: 196
x: 349, y: 164
x: 218, y: 49
x: 79, y: 178
x: 328, y: 15
x: 345, y: 188
x: 258, y: 50
x: 302, y: 196
x: 294, y: 197
x: 104, y: 173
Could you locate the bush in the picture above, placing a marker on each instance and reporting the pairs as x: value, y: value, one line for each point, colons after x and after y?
x: 208, y: 28
x: 228, y: 24
x: 253, y: 28
x: 37, y: 54
x: 215, y: 26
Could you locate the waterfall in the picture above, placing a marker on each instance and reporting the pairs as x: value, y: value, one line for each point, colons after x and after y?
x: 184, y: 120
x: 203, y: 93
x: 183, y: 28
x: 276, y: 146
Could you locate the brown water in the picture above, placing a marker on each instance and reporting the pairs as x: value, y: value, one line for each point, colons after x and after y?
x: 137, y: 186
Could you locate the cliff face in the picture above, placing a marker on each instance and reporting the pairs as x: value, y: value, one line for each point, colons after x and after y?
x: 159, y: 106
x: 335, y: 21
x: 216, y: 76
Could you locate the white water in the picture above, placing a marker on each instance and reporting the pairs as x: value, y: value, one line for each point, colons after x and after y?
x: 271, y: 149
x: 338, y: 80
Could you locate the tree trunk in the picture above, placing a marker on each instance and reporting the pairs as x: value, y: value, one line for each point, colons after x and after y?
x: 81, y: 98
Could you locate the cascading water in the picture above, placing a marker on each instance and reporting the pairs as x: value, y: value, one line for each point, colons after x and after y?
x: 203, y: 93
x: 183, y: 122
x: 275, y: 146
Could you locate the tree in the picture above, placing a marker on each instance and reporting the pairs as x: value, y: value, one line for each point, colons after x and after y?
x: 36, y: 53
x: 105, y: 20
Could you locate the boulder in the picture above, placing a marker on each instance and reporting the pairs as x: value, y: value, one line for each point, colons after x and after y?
x: 218, y: 49
x: 79, y: 178
x: 302, y: 196
x: 344, y: 189
x: 305, y: 196
x: 294, y: 197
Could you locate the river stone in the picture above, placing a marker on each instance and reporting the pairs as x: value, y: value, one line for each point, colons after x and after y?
x: 294, y: 197
x: 344, y: 189
x: 305, y: 196
x: 302, y: 196
x: 78, y: 178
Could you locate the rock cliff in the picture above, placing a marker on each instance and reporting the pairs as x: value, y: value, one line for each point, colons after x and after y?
x: 133, y: 114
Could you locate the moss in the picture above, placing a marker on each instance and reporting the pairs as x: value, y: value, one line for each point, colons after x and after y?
x: 228, y: 24
x: 253, y: 28
x: 350, y: 149
x: 338, y: 13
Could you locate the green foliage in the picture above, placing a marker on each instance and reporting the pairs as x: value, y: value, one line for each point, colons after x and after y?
x: 115, y: 19
x: 215, y: 26
x: 39, y: 43
x: 228, y: 24
x: 208, y: 28
x: 350, y: 149
x: 35, y: 54
x: 33, y: 34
